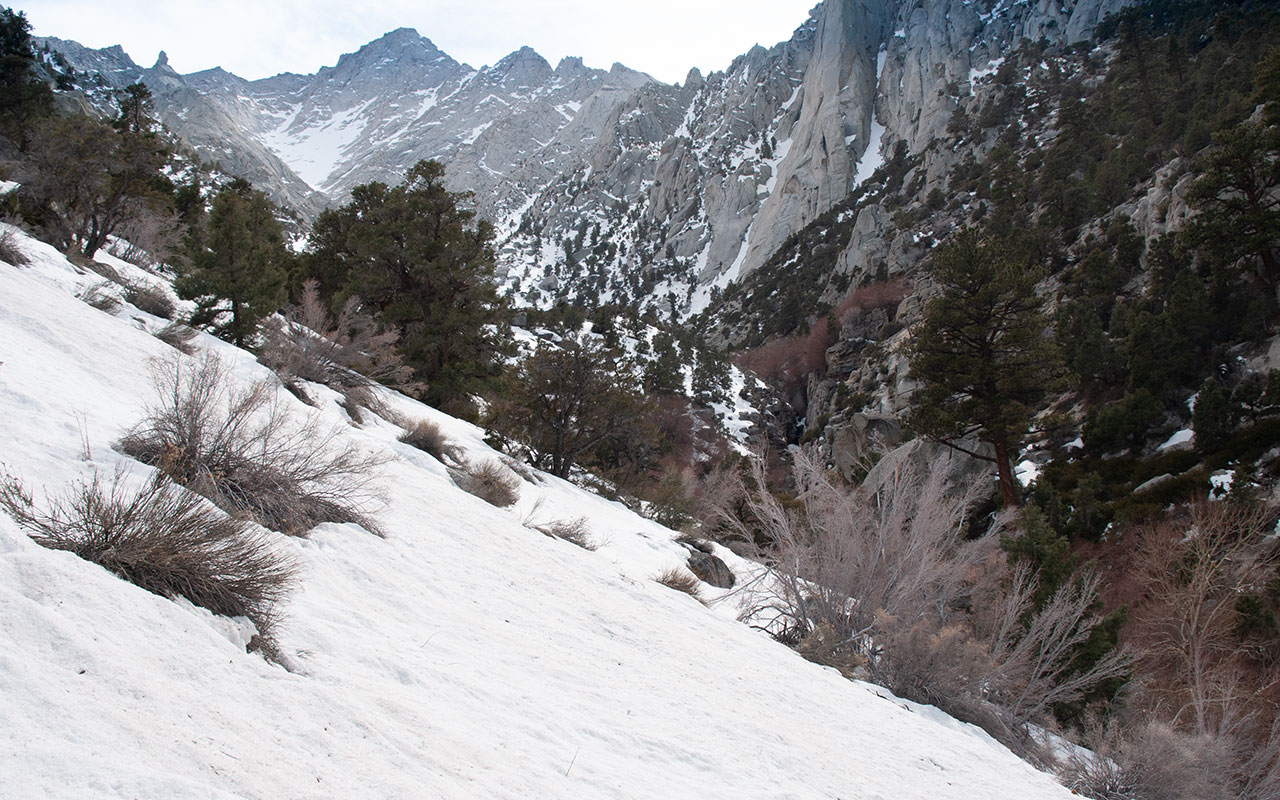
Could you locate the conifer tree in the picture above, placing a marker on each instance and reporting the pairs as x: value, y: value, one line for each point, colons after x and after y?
x: 981, y: 352
x: 238, y: 273
x: 422, y: 264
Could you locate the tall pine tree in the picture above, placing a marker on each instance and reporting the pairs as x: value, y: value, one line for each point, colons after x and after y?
x: 981, y: 352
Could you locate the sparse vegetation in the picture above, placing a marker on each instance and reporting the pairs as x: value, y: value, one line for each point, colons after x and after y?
x: 178, y: 336
x: 490, y: 481
x: 574, y: 531
x: 166, y: 540
x: 682, y: 581
x: 240, y: 449
x: 151, y: 299
x: 428, y: 437
x: 100, y: 297
x: 9, y: 250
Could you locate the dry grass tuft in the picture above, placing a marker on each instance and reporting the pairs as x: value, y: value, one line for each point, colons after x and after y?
x: 166, y: 540
x: 151, y: 299
x: 100, y: 297
x: 241, y: 450
x: 574, y: 531
x: 490, y: 481
x: 682, y: 581
x: 429, y: 438
x: 9, y: 250
x: 178, y: 336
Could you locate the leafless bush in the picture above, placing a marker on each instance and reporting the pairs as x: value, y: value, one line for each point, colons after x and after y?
x: 823, y: 645
x: 178, y: 336
x: 574, y: 531
x: 151, y: 299
x: 680, y: 580
x: 240, y: 449
x: 490, y: 481
x: 1152, y: 762
x: 100, y: 297
x: 149, y: 239
x: 166, y: 540
x: 841, y: 557
x: 884, y: 570
x: 9, y: 250
x: 1194, y: 570
x: 1036, y: 662
x: 342, y: 353
x: 429, y: 438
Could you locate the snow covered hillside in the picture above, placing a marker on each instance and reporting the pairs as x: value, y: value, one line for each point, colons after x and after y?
x: 463, y: 656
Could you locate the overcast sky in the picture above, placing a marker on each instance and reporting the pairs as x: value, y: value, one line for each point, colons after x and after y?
x: 259, y: 38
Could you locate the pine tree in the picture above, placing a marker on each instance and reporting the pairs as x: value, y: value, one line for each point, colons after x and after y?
x: 22, y: 97
x: 238, y: 273
x: 981, y: 351
x: 422, y: 264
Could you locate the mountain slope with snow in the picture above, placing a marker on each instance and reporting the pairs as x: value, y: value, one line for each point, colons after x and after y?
x: 463, y: 656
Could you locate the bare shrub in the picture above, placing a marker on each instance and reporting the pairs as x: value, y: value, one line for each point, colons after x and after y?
x: 100, y: 297
x: 240, y: 449
x: 358, y: 399
x: 9, y: 250
x: 429, y: 438
x: 885, y: 571
x: 490, y: 481
x: 149, y: 239
x: 823, y: 645
x: 574, y: 531
x: 1036, y: 661
x: 151, y: 299
x: 166, y: 540
x: 681, y: 580
x: 178, y: 336
x: 342, y: 353
x: 1152, y: 761
x: 1194, y: 571
x: 842, y: 557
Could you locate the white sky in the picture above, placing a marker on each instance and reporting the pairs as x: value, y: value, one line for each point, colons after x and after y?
x: 259, y: 38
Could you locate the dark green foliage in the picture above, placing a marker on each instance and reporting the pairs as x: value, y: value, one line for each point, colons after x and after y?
x: 237, y: 276
x: 1254, y: 620
x: 711, y: 379
x: 423, y: 265
x: 1039, y: 546
x: 663, y: 372
x: 1239, y: 220
x: 566, y: 403
x: 87, y: 179
x: 1122, y: 425
x: 22, y: 97
x: 981, y: 350
x: 1214, y: 417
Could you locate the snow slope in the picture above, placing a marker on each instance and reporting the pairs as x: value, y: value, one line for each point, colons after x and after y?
x: 464, y: 656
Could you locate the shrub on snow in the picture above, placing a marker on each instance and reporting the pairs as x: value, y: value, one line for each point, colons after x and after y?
x: 166, y: 540
x: 240, y: 449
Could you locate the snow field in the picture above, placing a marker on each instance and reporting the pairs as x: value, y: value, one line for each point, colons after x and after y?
x: 464, y: 656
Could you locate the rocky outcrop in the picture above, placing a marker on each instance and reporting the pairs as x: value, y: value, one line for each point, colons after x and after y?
x: 610, y: 185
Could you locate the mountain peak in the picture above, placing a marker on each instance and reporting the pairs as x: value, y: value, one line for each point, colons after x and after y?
x: 525, y: 62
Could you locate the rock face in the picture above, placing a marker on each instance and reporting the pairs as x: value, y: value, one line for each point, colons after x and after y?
x: 504, y: 131
x: 607, y: 184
